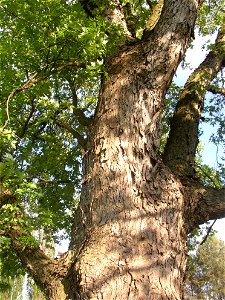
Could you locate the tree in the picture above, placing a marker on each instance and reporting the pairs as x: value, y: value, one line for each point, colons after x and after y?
x: 87, y: 81
x: 206, y: 275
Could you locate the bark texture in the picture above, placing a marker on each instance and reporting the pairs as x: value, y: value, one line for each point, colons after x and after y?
x: 130, y: 226
x: 184, y: 125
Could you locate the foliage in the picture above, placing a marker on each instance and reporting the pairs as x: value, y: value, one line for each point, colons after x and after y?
x: 214, y: 117
x: 171, y: 99
x: 205, y: 278
x: 10, y: 266
x: 211, y: 16
x: 208, y: 175
x: 51, y: 60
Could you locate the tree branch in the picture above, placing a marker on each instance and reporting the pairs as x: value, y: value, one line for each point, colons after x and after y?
x: 81, y: 140
x: 213, y: 203
x: 42, y: 268
x: 35, y: 78
x: 184, y: 124
x: 150, y: 3
x: 208, y: 232
x: 78, y: 113
x: 31, y: 113
x: 129, y: 19
x: 38, y: 264
x: 114, y: 13
x: 117, y: 16
x: 81, y: 118
x: 154, y: 16
x: 45, y: 181
x: 216, y: 90
x: 203, y: 204
x: 215, y: 185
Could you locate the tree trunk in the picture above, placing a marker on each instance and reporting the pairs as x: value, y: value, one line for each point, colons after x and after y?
x: 129, y: 230
x: 135, y: 248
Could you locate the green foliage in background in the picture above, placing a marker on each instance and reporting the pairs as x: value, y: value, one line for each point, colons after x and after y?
x: 205, y: 278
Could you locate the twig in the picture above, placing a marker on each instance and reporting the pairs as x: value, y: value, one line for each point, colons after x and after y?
x: 7, y: 111
x: 34, y: 78
x: 207, y: 175
x: 208, y: 232
x: 73, y: 131
x: 216, y: 90
x: 28, y: 119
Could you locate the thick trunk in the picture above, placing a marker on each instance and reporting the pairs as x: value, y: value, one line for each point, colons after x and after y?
x: 135, y: 246
x: 129, y: 230
x: 132, y: 240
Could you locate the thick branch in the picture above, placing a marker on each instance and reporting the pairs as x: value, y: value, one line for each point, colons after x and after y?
x: 168, y: 16
x: 154, y: 16
x: 183, y: 138
x: 129, y: 19
x: 48, y: 273
x: 117, y: 16
x: 114, y: 13
x: 210, y: 205
x: 213, y: 203
x: 40, y: 266
x: 204, y: 204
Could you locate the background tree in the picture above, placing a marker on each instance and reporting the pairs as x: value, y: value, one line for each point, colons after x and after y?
x: 206, y: 273
x: 85, y: 82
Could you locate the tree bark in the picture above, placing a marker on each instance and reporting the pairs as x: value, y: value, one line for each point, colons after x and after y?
x: 129, y: 229
x: 185, y: 122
